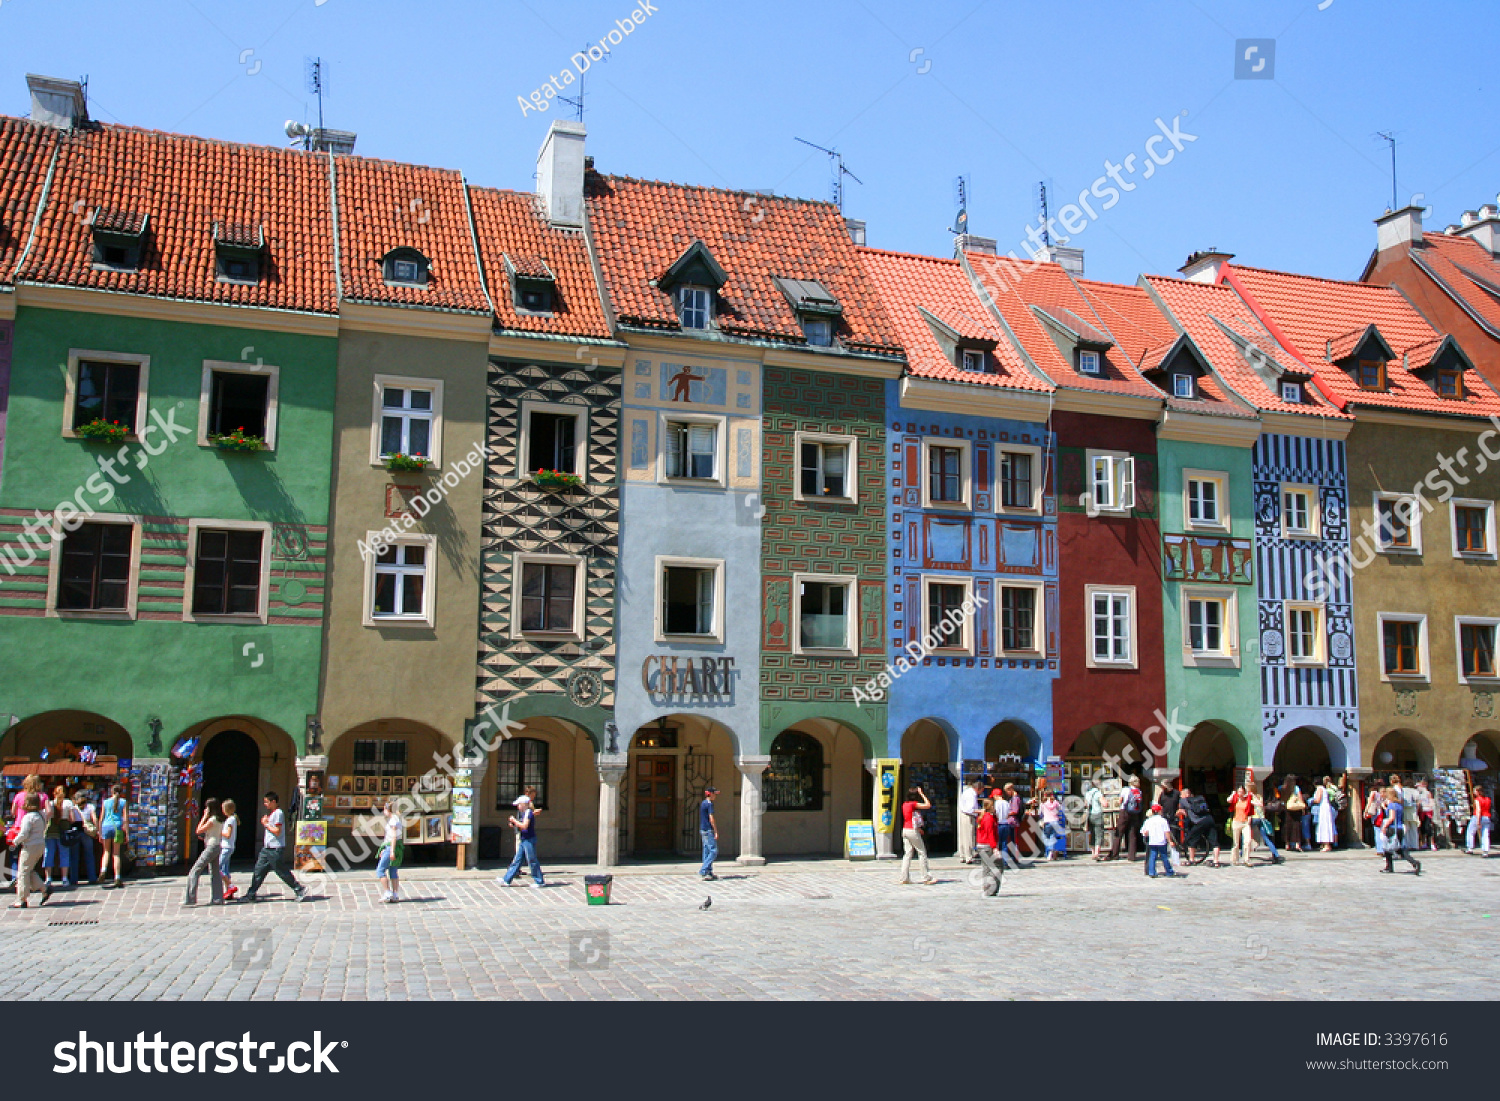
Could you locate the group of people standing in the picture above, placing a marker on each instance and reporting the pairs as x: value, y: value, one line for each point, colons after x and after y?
x: 52, y: 840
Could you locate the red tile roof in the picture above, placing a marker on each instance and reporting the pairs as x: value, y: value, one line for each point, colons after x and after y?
x: 909, y: 284
x: 641, y: 227
x: 185, y: 185
x: 1312, y: 312
x: 383, y: 206
x: 1467, y: 270
x: 511, y: 223
x: 25, y: 152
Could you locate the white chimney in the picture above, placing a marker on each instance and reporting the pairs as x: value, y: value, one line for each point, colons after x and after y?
x: 1482, y: 225
x: 1205, y: 266
x: 1069, y: 259
x: 968, y: 242
x: 856, y: 230
x: 559, y: 173
x: 1398, y: 228
x: 56, y: 102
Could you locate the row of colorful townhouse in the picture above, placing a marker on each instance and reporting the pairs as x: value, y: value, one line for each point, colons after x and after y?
x: 313, y: 464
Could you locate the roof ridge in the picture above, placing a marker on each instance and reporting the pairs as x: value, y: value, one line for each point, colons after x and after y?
x: 906, y: 255
x: 745, y: 191
x: 1315, y: 278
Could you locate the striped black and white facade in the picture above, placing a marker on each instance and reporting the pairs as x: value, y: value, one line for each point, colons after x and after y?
x: 1311, y: 569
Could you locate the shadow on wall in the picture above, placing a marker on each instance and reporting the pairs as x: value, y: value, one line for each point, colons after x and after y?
x: 263, y: 491
x: 141, y: 495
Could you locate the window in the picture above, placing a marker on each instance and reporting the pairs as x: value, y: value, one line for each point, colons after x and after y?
x: 1020, y: 622
x: 1204, y: 493
x: 1304, y: 634
x: 226, y: 571
x: 690, y: 602
x: 1291, y: 393
x: 535, y: 296
x: 1210, y: 625
x: 1403, y: 645
x: 380, y: 757
x: 117, y: 256
x: 1450, y: 384
x: 947, y: 465
x: 106, y: 389
x: 95, y: 569
x: 1088, y: 363
x: 238, y: 397
x: 1398, y: 525
x: 1299, y: 510
x: 972, y: 360
x: 406, y: 422
x: 794, y: 778
x: 520, y: 763
x: 550, y: 595
x: 1370, y: 374
x: 237, y: 267
x: 694, y: 307
x: 1111, y: 481
x: 824, y: 617
x: 401, y: 587
x: 825, y: 467
x: 405, y: 267
x: 1182, y: 386
x: 1476, y: 648
x: 818, y: 331
x: 553, y: 434
x: 946, y: 620
x: 1111, y: 626
x: 1019, y: 488
x: 1206, y: 626
x: 1473, y: 528
x: 692, y: 449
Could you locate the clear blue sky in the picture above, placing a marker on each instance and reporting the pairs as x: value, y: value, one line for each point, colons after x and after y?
x: 1285, y: 173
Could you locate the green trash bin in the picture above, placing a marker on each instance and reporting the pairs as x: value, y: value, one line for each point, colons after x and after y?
x: 596, y: 889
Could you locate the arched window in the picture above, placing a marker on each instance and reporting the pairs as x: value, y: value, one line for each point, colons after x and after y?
x: 405, y: 267
x: 520, y: 764
x: 795, y: 779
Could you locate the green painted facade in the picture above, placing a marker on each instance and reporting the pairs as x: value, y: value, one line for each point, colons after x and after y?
x: 156, y: 665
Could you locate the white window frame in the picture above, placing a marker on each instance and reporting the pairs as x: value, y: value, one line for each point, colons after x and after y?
x: 425, y: 621
x: 1416, y: 523
x: 721, y: 430
x: 54, y: 570
x: 850, y: 583
x: 965, y: 472
x: 1038, y: 478
x: 851, y: 465
x: 964, y: 355
x: 1295, y: 390
x: 1319, y: 656
x: 1314, y: 510
x: 1220, y: 481
x: 233, y: 368
x: 659, y: 627
x: 1461, y: 621
x: 75, y: 356
x: 1087, y: 357
x: 1424, y: 675
x: 1180, y: 377
x: 1128, y: 592
x: 966, y: 644
x: 262, y: 615
x: 1454, y: 504
x: 680, y: 297
x: 580, y: 415
x: 1121, y: 466
x: 1227, y: 597
x: 521, y: 559
x: 407, y: 382
x: 1039, y: 621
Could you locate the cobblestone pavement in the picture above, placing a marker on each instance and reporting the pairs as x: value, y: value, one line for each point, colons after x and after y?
x: 1318, y: 927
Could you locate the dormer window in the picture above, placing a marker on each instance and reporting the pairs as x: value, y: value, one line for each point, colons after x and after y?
x: 405, y: 267
x: 1370, y: 374
x: 238, y: 252
x: 1183, y: 387
x: 1450, y: 384
x: 971, y: 359
x: 692, y: 281
x: 816, y: 308
x: 533, y: 286
x: 695, y: 308
x: 1291, y: 393
x: 1088, y: 362
x: 119, y: 239
x: 818, y: 331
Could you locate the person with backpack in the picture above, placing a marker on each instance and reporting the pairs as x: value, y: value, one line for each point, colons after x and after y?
x: 1093, y: 807
x: 1199, y: 832
x: 114, y: 831
x: 912, y: 823
x: 1128, y: 820
x: 1393, y: 823
x: 57, y: 860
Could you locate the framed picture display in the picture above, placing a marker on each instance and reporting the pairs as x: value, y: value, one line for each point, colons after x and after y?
x: 333, y: 784
x: 359, y: 785
x: 362, y: 802
x: 343, y: 802
x: 433, y: 830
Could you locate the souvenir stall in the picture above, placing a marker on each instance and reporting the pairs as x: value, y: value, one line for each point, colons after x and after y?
x: 75, y: 769
x: 1453, y: 792
x: 1378, y: 780
x: 354, y: 805
x: 936, y: 781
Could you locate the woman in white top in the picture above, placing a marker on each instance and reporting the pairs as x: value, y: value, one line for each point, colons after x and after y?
x: 391, y: 850
x: 1325, y: 813
x: 229, y: 835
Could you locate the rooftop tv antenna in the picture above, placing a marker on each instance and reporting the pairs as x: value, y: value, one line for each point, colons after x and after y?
x: 1390, y: 136
x: 576, y: 102
x: 315, y: 84
x: 961, y: 200
x: 1041, y: 193
x: 838, y: 171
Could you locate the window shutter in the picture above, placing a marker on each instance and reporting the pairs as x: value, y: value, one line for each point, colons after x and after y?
x: 1104, y: 482
x: 706, y: 601
x: 701, y: 442
x: 674, y: 450
x: 1127, y: 483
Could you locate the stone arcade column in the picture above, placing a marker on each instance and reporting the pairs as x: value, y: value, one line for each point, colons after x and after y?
x: 611, y: 776
x: 752, y: 810
x: 884, y: 842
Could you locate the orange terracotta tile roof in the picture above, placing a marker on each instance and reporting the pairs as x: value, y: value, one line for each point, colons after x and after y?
x: 511, y: 224
x: 1225, y: 330
x: 909, y: 284
x: 383, y: 206
x: 1312, y: 312
x: 25, y: 151
x: 1015, y: 290
x: 641, y: 228
x: 185, y: 186
x: 1468, y: 272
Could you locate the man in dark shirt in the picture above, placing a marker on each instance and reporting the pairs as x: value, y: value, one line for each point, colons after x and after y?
x: 710, y: 832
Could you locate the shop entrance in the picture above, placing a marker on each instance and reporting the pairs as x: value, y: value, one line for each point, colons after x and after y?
x: 231, y: 770
x: 655, y: 790
x: 925, y: 754
x: 1208, y: 762
x: 1302, y: 754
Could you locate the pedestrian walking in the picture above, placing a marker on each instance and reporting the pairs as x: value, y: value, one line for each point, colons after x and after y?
x: 1374, y: 813
x: 56, y: 864
x: 708, y: 829
x: 523, y: 821
x: 968, y: 819
x: 1158, y: 834
x: 1054, y: 827
x: 83, y: 855
x: 229, y: 837
x: 1199, y: 832
x: 1093, y: 807
x: 392, y: 851
x: 1426, y: 817
x: 30, y: 785
x: 1291, y: 822
x: 1128, y: 818
x: 1008, y: 815
x: 211, y: 830
x: 1395, y: 833
x: 986, y: 843
x: 1242, y: 839
x: 1325, y: 814
x: 114, y: 832
x: 1479, y: 824
x: 1260, y: 823
x: 272, y: 856
x: 912, y: 823
x: 30, y: 847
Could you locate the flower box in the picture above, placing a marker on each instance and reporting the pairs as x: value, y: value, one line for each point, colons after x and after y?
x: 102, y: 431
x: 406, y: 464
x: 556, y: 479
x: 238, y: 440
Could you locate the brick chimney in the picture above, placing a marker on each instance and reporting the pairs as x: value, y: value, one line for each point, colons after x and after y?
x: 1204, y: 267
x: 1398, y: 229
x: 559, y: 173
x: 56, y: 102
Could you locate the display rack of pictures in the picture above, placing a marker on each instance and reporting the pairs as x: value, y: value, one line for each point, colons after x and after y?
x: 461, y: 807
x: 311, y: 842
x: 358, y: 803
x: 936, y: 782
x: 156, y: 833
x: 1453, y: 792
x: 1077, y: 772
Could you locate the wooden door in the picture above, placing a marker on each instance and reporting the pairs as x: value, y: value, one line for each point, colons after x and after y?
x: 655, y: 804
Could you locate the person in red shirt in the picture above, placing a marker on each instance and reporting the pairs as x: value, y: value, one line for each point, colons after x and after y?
x: 911, y: 835
x: 1479, y: 824
x: 986, y: 842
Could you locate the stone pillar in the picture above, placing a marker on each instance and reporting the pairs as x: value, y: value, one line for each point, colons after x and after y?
x: 1354, y: 818
x: 885, y: 843
x: 752, y: 811
x: 611, y: 776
